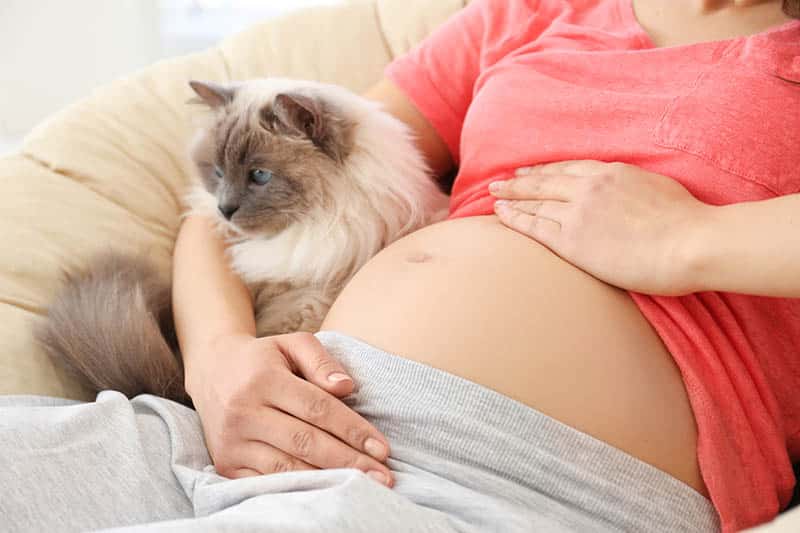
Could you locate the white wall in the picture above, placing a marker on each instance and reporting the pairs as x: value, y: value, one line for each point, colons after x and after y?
x: 55, y: 51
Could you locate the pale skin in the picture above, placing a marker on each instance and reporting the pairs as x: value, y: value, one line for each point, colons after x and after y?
x: 270, y: 404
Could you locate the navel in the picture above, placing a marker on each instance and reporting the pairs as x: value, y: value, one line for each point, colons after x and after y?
x: 418, y: 257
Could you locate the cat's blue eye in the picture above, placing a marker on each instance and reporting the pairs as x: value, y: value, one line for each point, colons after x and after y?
x: 218, y: 171
x: 260, y: 177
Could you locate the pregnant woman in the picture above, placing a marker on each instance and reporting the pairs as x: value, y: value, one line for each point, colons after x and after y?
x: 490, y: 370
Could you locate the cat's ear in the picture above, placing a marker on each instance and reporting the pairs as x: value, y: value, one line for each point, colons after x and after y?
x: 307, y: 116
x: 212, y: 94
x: 301, y: 114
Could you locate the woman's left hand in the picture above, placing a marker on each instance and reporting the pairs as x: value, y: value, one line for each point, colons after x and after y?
x: 626, y: 226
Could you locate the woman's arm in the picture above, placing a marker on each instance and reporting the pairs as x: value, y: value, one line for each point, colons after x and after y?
x: 429, y: 142
x: 645, y: 232
x: 258, y: 416
x: 210, y: 301
x: 749, y: 248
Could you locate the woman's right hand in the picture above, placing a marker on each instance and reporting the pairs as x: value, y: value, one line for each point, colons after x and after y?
x: 271, y: 404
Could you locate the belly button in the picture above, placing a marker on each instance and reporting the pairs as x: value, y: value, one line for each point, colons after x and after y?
x: 419, y: 257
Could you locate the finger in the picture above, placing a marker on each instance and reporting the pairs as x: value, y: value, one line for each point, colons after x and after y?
x: 266, y: 459
x: 540, y: 228
x: 315, y: 363
x: 310, y: 444
x: 307, y: 402
x: 554, y: 210
x: 562, y: 188
x: 578, y: 167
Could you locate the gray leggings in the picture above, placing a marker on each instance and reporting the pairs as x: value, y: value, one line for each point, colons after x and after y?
x: 466, y: 459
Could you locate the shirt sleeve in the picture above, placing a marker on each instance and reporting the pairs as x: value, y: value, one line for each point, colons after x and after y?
x: 440, y: 73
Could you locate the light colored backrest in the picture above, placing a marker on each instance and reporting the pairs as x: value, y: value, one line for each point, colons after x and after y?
x: 109, y: 171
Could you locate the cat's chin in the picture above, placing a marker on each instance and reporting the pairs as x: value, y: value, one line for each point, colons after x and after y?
x: 261, y: 227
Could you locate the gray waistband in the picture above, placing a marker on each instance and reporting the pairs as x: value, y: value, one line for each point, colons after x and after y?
x: 455, y: 420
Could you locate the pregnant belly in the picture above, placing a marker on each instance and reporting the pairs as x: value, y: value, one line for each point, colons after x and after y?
x: 473, y: 298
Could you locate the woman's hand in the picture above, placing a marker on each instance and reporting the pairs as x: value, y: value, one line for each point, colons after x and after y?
x: 260, y: 416
x: 625, y: 226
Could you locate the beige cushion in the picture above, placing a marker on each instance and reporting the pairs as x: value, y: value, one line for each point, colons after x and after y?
x: 110, y: 170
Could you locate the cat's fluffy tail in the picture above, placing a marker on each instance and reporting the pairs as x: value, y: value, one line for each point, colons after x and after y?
x: 112, y: 325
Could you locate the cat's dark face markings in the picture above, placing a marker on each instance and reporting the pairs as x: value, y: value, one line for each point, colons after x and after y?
x: 268, y: 165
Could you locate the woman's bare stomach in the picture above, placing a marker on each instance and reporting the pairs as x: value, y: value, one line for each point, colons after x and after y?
x: 473, y: 298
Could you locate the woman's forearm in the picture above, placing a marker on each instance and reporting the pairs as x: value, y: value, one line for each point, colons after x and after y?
x: 209, y: 300
x: 749, y: 248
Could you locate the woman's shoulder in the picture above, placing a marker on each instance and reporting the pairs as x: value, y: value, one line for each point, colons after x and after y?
x: 522, y: 17
x: 505, y: 24
x: 776, y: 50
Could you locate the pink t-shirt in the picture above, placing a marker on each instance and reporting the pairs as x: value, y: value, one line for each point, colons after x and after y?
x: 512, y: 83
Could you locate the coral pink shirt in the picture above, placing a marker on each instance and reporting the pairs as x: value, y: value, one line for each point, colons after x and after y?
x: 512, y: 83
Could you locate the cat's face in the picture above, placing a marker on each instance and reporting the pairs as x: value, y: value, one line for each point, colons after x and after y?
x: 269, y: 162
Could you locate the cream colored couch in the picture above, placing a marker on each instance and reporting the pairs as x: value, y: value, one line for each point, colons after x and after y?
x: 110, y: 169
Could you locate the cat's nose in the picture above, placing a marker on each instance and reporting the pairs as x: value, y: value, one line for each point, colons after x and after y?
x: 228, y: 210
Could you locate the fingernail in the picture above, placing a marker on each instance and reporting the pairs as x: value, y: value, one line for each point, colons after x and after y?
x: 375, y: 448
x: 524, y: 171
x: 495, y: 186
x: 380, y: 477
x: 502, y: 204
x: 336, y: 377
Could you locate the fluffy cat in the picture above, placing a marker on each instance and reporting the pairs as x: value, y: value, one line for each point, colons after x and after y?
x: 307, y: 181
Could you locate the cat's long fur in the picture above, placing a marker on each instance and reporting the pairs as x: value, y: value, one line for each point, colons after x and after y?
x: 352, y: 181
